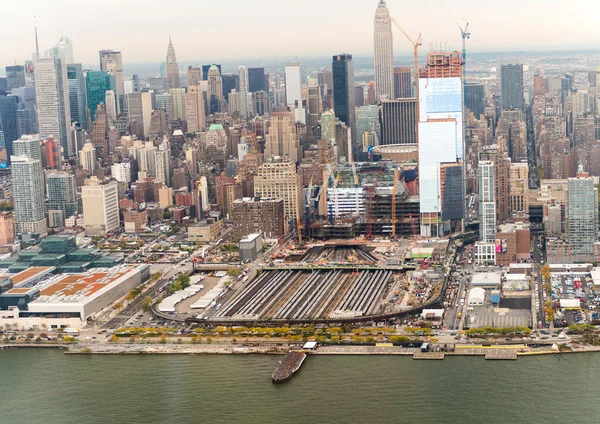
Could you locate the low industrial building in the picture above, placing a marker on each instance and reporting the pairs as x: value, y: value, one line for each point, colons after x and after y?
x: 486, y: 280
x: 250, y: 246
x: 476, y: 297
x: 205, y: 231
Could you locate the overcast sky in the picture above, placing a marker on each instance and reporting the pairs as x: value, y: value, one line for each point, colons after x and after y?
x: 207, y: 30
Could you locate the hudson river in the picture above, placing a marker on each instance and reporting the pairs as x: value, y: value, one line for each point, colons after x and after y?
x: 45, y: 386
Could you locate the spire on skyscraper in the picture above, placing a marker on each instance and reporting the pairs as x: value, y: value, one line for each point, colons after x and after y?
x: 171, y: 58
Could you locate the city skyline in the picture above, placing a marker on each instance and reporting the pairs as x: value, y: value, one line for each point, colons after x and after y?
x: 195, y: 34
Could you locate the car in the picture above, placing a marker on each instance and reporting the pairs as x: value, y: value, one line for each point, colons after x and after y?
x: 508, y: 339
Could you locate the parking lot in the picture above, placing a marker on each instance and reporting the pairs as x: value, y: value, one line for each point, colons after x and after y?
x: 490, y: 316
x: 574, y: 286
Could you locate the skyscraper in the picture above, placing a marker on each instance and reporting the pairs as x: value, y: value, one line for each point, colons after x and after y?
x: 511, y: 85
x: 315, y: 104
x: 196, y: 119
x: 244, y: 91
x: 474, y: 99
x: 343, y: 99
x: 230, y: 82
x: 206, y: 68
x: 194, y: 76
x: 293, y: 86
x: 440, y: 136
x: 26, y: 110
x: 63, y: 50
x: 77, y: 94
x: 402, y: 82
x: 215, y: 89
x: 87, y: 158
x: 487, y: 202
x: 9, y: 128
x: 384, y: 53
x: 172, y: 66
x: 112, y: 62
x: 28, y: 146
x: 53, y: 105
x: 62, y: 193
x: 97, y: 84
x: 15, y: 77
x: 582, y: 215
x: 399, y: 121
x: 28, y: 195
x: 257, y: 80
x: 100, y: 207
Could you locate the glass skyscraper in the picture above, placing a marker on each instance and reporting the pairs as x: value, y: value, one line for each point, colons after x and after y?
x: 582, y: 215
x: 343, y: 98
x: 77, y: 95
x: 97, y: 83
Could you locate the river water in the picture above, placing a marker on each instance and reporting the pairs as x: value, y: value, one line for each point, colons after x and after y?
x: 47, y: 386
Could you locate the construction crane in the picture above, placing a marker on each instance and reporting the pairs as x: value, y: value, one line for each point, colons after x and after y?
x: 416, y: 44
x: 394, y: 188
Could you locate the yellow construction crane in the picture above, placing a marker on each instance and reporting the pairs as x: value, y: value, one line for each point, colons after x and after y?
x: 416, y: 45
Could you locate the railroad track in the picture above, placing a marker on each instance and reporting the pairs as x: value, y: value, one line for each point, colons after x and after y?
x: 134, y: 307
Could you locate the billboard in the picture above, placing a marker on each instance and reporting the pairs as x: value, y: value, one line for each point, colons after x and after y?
x: 501, y: 246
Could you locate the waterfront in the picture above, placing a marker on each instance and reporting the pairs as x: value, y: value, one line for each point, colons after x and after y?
x: 46, y: 386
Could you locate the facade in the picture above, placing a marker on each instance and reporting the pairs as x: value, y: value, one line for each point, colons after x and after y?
x: 258, y: 215
x: 384, y: 53
x: 282, y: 139
x: 215, y: 89
x: 511, y: 83
x: 293, y: 86
x: 402, y: 82
x: 100, y: 207
x: 7, y: 231
x: 343, y: 98
x: 257, y: 80
x: 399, y: 121
x: 53, y: 105
x: 28, y: 146
x: 121, y: 172
x: 28, y: 195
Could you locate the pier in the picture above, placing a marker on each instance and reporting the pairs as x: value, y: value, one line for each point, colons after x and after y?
x: 288, y: 366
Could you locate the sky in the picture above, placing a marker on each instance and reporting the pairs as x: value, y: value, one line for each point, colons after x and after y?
x: 207, y: 30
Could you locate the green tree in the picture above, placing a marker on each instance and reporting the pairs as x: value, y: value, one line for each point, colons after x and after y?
x: 146, y: 303
x: 234, y: 272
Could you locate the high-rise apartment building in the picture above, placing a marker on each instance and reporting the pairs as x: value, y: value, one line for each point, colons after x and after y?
x: 343, y: 99
x: 402, y: 82
x: 112, y: 62
x: 172, y: 66
x: 519, y: 187
x: 384, y: 53
x: 196, y: 118
x: 314, y: 102
x: 487, y: 202
x: 53, y: 105
x: 162, y: 163
x: 279, y: 180
x: 582, y: 215
x: 100, y: 207
x: 511, y: 86
x: 28, y: 146
x: 177, y: 104
x: 28, y: 196
x: 399, y: 121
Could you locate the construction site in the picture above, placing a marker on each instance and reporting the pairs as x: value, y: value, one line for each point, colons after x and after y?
x: 369, y: 199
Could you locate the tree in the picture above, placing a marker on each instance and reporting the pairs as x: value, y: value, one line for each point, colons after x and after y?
x: 166, y: 214
x: 146, y: 303
x: 234, y: 272
x: 545, y: 271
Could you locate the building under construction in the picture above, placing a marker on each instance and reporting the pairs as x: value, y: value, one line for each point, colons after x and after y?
x: 370, y: 199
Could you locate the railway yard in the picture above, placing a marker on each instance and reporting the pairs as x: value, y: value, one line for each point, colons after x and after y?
x: 311, y: 295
